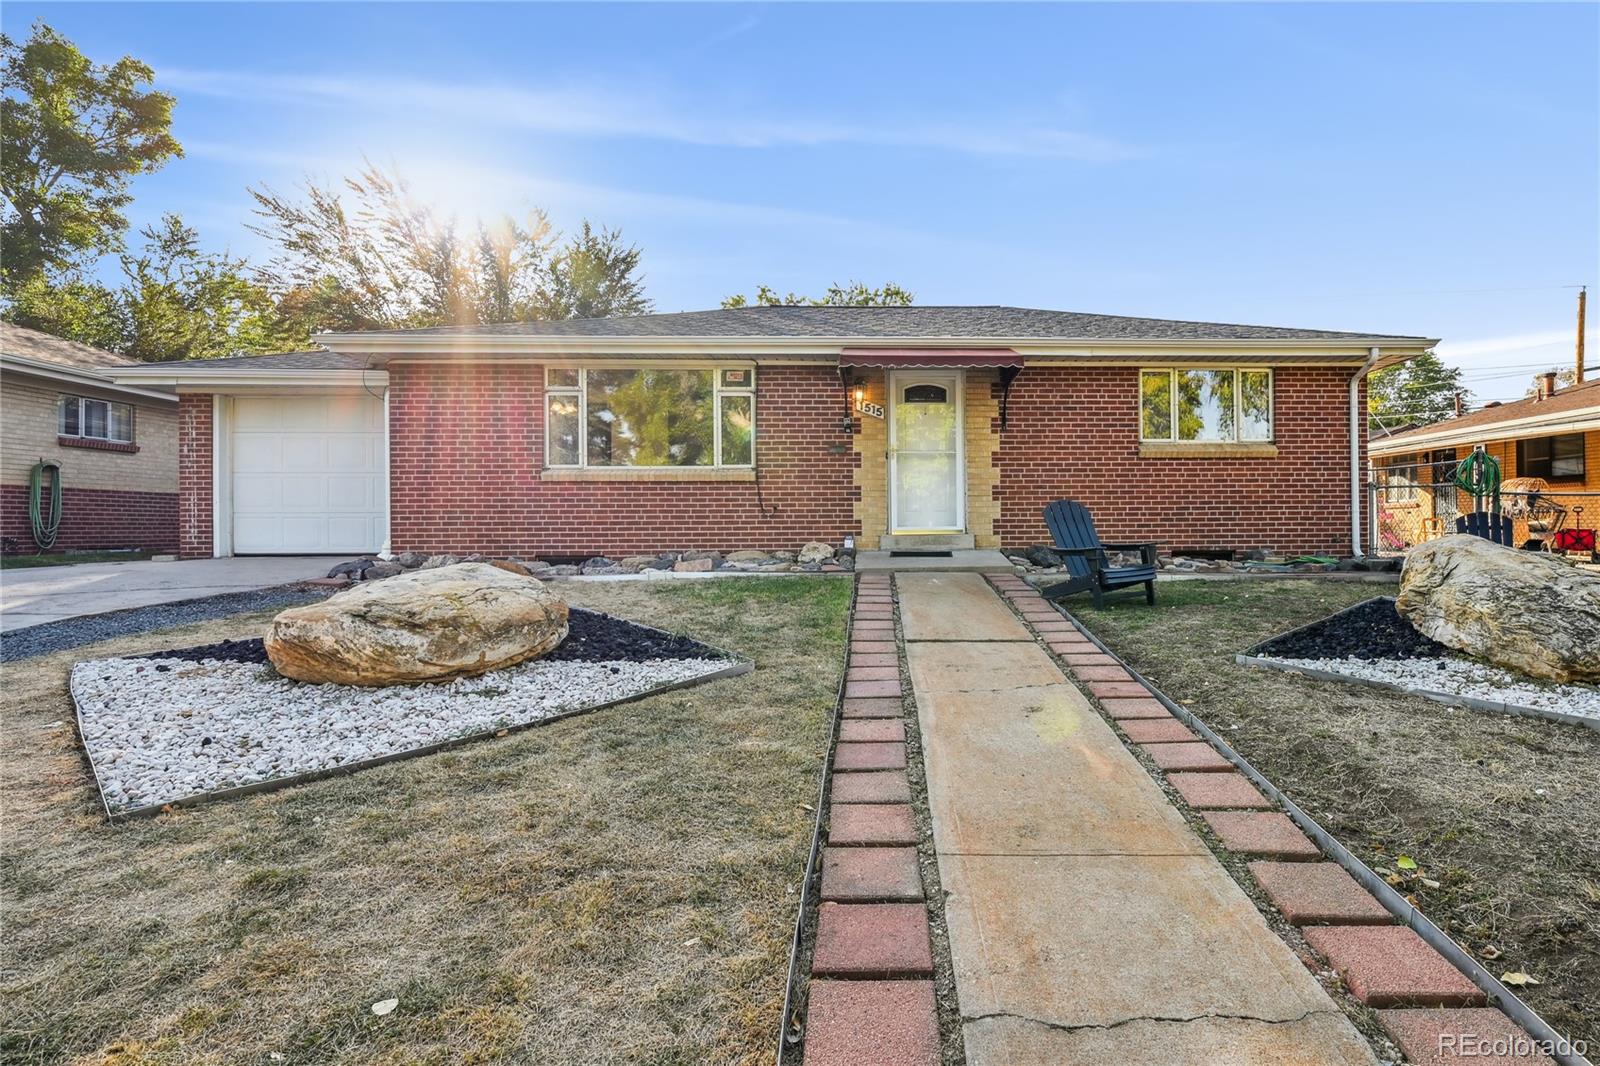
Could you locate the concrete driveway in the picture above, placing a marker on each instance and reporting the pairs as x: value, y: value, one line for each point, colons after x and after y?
x: 51, y: 593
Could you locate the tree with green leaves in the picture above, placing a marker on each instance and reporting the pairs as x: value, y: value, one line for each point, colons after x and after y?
x: 75, y: 133
x: 1418, y: 392
x: 368, y: 254
x: 855, y: 294
x: 175, y: 301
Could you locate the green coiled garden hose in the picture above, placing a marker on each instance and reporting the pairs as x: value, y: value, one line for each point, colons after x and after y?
x: 1479, y: 474
x: 44, y: 529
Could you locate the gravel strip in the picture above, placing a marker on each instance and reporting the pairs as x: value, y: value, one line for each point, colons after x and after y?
x: 215, y: 724
x: 1461, y: 677
x: 49, y: 637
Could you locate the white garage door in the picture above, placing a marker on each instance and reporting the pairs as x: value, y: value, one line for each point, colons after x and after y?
x: 307, y: 474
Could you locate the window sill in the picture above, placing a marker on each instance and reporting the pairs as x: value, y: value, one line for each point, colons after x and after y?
x: 1207, y: 450
x: 647, y: 473
x: 128, y: 448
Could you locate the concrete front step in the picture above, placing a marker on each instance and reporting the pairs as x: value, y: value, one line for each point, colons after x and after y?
x: 979, y: 562
x: 927, y: 542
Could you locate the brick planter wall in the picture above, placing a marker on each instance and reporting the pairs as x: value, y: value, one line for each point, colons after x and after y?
x: 1074, y: 433
x: 92, y: 519
x: 467, y: 447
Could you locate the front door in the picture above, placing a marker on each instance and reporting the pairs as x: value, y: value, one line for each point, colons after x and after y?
x: 925, y: 489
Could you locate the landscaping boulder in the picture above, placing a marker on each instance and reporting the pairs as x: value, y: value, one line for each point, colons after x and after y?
x: 422, y: 625
x: 815, y: 552
x: 1526, y: 611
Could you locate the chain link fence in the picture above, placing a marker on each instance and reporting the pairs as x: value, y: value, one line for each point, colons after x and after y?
x: 1413, y: 503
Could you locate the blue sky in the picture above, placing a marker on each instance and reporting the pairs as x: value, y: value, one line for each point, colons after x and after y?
x: 1412, y: 168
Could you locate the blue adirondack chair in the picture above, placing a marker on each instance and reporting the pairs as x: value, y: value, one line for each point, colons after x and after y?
x: 1493, y: 526
x: 1089, y: 568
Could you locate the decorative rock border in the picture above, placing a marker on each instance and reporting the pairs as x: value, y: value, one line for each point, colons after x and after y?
x: 1412, y: 964
x: 1252, y: 657
x: 735, y: 668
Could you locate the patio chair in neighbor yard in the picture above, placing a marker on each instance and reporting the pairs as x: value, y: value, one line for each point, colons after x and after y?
x: 1083, y: 554
x: 1493, y: 526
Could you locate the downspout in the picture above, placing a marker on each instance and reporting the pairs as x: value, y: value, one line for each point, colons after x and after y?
x: 1355, y: 451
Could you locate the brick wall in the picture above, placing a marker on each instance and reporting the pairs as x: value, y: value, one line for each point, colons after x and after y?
x: 194, y: 476
x: 467, y: 447
x: 29, y: 423
x: 1074, y: 433
x: 93, y: 519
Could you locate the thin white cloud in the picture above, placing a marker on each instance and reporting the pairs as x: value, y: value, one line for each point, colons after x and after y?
x: 587, y: 111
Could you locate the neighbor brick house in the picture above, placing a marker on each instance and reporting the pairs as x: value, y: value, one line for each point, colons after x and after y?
x: 116, y: 444
x: 1548, y: 442
x: 764, y: 427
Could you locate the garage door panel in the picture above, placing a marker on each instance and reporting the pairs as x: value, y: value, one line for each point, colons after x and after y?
x: 347, y: 452
x: 352, y: 493
x: 303, y: 451
x: 307, y: 474
x: 256, y: 451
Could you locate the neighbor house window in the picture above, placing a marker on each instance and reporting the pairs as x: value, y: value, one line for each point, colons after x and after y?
x: 1552, y: 458
x: 1205, y: 405
x: 1399, y: 480
x: 649, y: 417
x: 79, y: 416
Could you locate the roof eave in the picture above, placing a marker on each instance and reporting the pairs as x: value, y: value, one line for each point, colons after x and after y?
x: 1444, y: 435
x: 100, y: 377
x: 1395, y: 349
x: 190, y: 376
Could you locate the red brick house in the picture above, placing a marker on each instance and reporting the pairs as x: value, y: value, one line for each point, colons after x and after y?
x: 116, y: 446
x: 764, y: 427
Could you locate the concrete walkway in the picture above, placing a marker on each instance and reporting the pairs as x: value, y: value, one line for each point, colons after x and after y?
x: 34, y: 595
x: 1088, y: 923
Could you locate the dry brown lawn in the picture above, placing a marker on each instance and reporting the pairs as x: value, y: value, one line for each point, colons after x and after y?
x: 1501, y: 811
x: 613, y: 888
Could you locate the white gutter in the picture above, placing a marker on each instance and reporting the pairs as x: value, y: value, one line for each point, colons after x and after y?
x: 192, y: 375
x: 1443, y: 436
x: 100, y: 378
x: 385, y: 345
x: 1373, y: 355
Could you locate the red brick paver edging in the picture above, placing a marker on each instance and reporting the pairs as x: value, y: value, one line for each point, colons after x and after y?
x: 1436, y: 1013
x: 870, y: 1000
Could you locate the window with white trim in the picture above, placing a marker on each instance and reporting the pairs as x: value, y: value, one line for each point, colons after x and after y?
x: 649, y: 416
x: 1205, y: 405
x: 89, y: 419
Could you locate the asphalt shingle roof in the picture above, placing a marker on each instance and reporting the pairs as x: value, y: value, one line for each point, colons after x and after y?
x: 874, y: 322
x: 315, y: 359
x: 26, y: 343
x: 1571, y: 400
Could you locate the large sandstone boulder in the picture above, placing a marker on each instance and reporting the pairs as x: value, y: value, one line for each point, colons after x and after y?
x: 1527, y: 611
x: 423, y: 625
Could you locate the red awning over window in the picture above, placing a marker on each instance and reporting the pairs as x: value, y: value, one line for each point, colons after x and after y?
x: 929, y: 357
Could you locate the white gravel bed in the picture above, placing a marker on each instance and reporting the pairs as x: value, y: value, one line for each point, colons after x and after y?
x: 1463, y: 677
x: 158, y: 736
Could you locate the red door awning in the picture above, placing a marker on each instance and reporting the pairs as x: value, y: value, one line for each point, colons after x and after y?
x: 924, y: 358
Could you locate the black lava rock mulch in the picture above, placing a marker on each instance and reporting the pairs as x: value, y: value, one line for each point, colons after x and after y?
x: 49, y: 637
x: 1371, y: 630
x: 591, y: 637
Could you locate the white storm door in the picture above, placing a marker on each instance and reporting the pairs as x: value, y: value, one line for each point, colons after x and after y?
x: 925, y: 453
x: 308, y: 474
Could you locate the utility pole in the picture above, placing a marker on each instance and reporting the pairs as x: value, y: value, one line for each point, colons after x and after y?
x: 1583, y: 300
